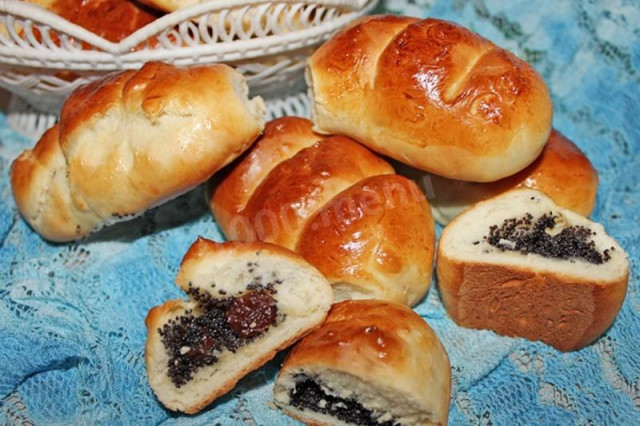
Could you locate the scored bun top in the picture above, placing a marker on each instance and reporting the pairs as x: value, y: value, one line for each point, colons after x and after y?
x: 561, y: 171
x: 431, y: 94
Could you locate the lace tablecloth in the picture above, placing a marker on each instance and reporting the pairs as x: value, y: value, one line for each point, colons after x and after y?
x: 72, y: 315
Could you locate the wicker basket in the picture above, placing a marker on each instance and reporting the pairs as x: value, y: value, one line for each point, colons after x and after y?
x: 44, y: 57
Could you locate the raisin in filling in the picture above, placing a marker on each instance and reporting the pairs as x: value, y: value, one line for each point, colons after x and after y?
x: 307, y: 394
x: 194, y: 341
x: 527, y: 235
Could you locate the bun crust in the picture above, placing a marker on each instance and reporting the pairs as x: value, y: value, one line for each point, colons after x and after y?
x: 561, y: 171
x: 431, y: 94
x: 303, y: 298
x: 566, y: 303
x: 372, y: 216
x: 112, y: 20
x: 130, y: 142
x: 337, y: 204
x: 376, y: 352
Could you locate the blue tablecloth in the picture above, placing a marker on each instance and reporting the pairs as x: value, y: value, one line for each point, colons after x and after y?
x: 72, y: 315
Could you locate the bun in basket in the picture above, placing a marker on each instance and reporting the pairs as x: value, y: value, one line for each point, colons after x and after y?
x: 248, y: 301
x: 130, y: 142
x: 371, y: 362
x: 112, y: 20
x: 522, y: 266
x: 369, y: 231
x: 431, y: 94
x: 562, y: 172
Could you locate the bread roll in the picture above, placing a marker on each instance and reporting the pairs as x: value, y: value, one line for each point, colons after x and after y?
x: 112, y: 20
x: 130, y: 142
x: 431, y: 94
x: 371, y: 362
x: 522, y: 266
x: 248, y: 301
x: 561, y: 171
x: 368, y: 230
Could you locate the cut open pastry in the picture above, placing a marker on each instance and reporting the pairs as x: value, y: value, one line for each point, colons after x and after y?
x: 371, y: 363
x: 248, y: 301
x: 522, y: 266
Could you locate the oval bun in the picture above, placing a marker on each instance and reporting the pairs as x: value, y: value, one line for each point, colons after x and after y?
x: 433, y: 95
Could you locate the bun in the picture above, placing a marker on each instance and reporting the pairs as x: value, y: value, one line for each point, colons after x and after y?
x: 431, y: 94
x: 561, y: 171
x: 522, y: 266
x: 248, y: 301
x: 112, y: 20
x: 369, y: 231
x: 170, y: 5
x: 130, y: 142
x: 371, y: 362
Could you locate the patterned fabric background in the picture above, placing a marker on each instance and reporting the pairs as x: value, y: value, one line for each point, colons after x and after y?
x: 72, y: 315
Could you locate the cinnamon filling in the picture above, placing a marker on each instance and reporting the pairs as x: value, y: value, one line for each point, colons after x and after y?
x: 527, y: 235
x: 308, y: 394
x: 194, y: 341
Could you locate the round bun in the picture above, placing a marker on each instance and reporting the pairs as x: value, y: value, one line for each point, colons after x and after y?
x: 378, y: 359
x: 561, y: 171
x: 431, y: 94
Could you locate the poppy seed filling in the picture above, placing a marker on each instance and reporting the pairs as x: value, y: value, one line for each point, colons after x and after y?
x: 527, y: 235
x: 308, y: 394
x: 194, y: 341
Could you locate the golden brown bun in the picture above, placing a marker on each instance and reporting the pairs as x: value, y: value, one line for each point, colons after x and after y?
x: 170, y: 5
x: 277, y: 195
x: 566, y: 303
x: 561, y: 171
x: 112, y: 20
x: 431, y: 94
x: 302, y: 295
x: 380, y: 353
x: 131, y: 141
x: 329, y: 195
x: 377, y: 231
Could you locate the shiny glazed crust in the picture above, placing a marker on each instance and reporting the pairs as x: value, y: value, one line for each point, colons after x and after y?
x: 336, y: 203
x: 561, y: 171
x: 431, y: 94
x: 384, y: 345
x: 376, y: 232
x: 112, y: 20
x: 131, y: 141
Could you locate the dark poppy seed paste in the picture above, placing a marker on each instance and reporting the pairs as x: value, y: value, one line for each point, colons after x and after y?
x: 194, y: 341
x: 307, y: 393
x: 527, y: 235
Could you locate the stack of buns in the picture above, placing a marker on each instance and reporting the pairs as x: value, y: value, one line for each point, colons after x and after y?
x: 368, y: 230
x: 322, y: 219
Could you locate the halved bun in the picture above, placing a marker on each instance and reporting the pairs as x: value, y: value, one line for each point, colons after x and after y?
x: 248, y: 301
x: 522, y: 266
x: 371, y: 362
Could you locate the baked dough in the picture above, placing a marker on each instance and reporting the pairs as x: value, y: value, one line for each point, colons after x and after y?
x: 132, y: 141
x: 248, y: 301
x: 371, y: 362
x: 561, y: 171
x: 431, y: 94
x: 522, y: 266
x: 333, y: 201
